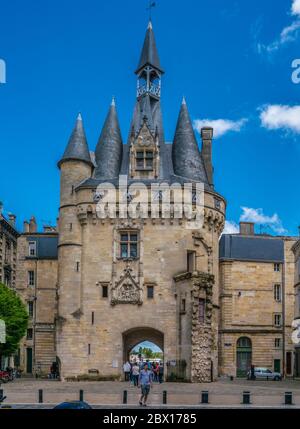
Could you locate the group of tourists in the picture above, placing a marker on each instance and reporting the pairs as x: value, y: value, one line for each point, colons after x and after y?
x: 143, y: 374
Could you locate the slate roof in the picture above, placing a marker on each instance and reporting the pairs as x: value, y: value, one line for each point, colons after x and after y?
x: 187, y: 159
x: 109, y: 149
x: 256, y: 248
x: 77, y: 148
x: 149, y: 55
x: 47, y: 246
x: 180, y: 162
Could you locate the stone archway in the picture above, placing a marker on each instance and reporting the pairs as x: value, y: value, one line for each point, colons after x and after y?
x: 135, y: 336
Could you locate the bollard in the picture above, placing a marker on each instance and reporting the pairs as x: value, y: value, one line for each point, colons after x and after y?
x: 246, y: 398
x: 81, y: 394
x: 288, y: 398
x: 125, y: 397
x: 165, y: 397
x: 1, y: 394
x: 40, y: 396
x: 204, y: 397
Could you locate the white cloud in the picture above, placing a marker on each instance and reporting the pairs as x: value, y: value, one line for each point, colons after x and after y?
x: 220, y: 126
x: 231, y: 227
x: 296, y: 7
x: 288, y: 34
x: 259, y: 218
x: 277, y: 116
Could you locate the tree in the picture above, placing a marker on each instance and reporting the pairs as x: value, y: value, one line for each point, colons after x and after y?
x: 15, y: 316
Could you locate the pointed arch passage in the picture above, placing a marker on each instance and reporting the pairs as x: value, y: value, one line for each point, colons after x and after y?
x: 135, y: 336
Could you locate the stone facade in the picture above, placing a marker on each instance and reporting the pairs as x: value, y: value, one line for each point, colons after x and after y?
x: 8, y: 260
x: 8, y: 251
x: 296, y: 251
x: 103, y: 323
x: 249, y: 305
x: 37, y: 285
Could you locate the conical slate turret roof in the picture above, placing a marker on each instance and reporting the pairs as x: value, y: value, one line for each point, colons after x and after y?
x: 186, y: 156
x: 110, y: 147
x: 77, y: 148
x: 149, y: 55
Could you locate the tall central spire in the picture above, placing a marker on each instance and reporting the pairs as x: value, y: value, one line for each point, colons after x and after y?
x: 149, y: 70
x: 149, y: 55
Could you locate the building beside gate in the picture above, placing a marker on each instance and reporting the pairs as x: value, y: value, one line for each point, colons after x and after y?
x: 257, y: 302
x: 36, y: 283
x: 8, y: 259
x: 296, y: 250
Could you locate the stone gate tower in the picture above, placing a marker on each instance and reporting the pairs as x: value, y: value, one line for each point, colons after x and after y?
x: 124, y: 280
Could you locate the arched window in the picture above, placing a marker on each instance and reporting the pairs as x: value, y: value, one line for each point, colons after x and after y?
x: 244, y: 342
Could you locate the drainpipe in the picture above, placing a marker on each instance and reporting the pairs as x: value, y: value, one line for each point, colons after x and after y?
x: 283, y: 320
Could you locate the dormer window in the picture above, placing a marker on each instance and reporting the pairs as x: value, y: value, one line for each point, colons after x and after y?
x: 144, y: 160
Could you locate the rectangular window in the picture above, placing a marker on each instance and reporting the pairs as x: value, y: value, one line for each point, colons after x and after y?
x: 7, y: 255
x: 150, y: 292
x: 277, y: 320
x: 32, y: 248
x: 202, y: 310
x: 277, y: 343
x: 89, y: 349
x: 277, y: 292
x: 31, y: 278
x: 191, y: 261
x: 149, y: 160
x: 144, y: 160
x: 30, y: 309
x: 104, y: 291
x: 183, y: 305
x: 277, y: 268
x: 129, y: 245
x: 29, y: 334
x: 93, y: 318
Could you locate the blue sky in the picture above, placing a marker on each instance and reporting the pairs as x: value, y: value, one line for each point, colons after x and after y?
x: 231, y: 59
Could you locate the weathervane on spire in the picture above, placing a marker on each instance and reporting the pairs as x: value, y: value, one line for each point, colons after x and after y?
x: 152, y: 4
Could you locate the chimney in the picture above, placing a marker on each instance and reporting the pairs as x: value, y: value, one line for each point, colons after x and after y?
x: 26, y: 226
x: 32, y: 224
x: 12, y: 219
x: 247, y: 228
x: 207, y: 136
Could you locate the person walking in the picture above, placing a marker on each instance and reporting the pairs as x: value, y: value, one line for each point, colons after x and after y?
x: 160, y: 372
x: 145, y: 380
x: 127, y: 369
x: 135, y: 374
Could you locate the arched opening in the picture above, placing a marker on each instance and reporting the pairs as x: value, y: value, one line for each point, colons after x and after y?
x: 243, y: 356
x: 146, y: 351
x: 148, y: 338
